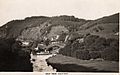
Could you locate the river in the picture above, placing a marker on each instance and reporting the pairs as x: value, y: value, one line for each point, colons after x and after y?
x: 40, y: 64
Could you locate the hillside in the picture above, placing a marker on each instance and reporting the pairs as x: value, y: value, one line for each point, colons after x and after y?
x: 37, y: 26
x: 105, y: 27
x: 15, y: 28
x: 89, y: 38
x: 69, y: 64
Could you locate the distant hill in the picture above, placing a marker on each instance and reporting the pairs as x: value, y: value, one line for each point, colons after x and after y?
x: 38, y: 27
x: 106, y: 27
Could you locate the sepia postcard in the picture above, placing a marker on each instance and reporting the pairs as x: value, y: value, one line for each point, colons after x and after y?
x: 59, y: 37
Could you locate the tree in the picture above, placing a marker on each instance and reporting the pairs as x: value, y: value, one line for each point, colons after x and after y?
x: 110, y: 54
x: 83, y: 54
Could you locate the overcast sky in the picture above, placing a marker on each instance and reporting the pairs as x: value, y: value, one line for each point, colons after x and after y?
x: 87, y: 9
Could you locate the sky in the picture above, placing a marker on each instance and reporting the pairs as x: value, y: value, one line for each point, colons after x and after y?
x: 87, y: 9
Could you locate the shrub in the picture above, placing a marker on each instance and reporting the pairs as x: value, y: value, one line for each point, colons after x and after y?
x: 99, y: 44
x: 95, y: 54
x: 111, y: 54
x: 83, y: 54
x: 90, y: 39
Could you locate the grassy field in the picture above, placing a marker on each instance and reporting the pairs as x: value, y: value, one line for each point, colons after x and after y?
x: 76, y: 65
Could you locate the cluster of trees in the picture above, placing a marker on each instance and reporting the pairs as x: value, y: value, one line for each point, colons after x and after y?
x: 12, y: 57
x: 93, y: 47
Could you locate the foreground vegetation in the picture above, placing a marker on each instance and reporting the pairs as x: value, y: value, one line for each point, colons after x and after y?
x: 12, y: 57
x: 93, y: 47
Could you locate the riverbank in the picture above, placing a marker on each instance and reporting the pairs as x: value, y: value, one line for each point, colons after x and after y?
x: 69, y: 64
